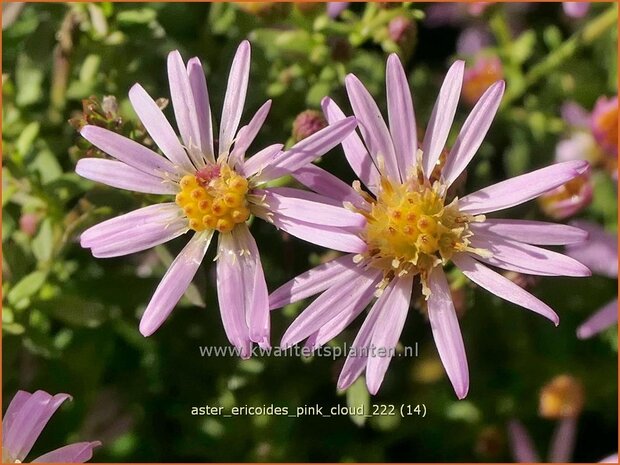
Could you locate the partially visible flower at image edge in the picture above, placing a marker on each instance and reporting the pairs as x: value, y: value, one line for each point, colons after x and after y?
x: 600, y: 253
x: 210, y: 194
x: 23, y: 422
x: 412, y: 230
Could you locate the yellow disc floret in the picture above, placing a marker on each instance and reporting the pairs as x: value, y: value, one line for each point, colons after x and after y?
x: 215, y: 198
x: 411, y: 230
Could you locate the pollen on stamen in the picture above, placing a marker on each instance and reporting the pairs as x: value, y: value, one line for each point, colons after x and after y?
x: 410, y: 229
x: 214, y: 198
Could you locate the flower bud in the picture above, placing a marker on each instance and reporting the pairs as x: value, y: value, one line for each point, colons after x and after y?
x: 402, y: 30
x: 307, y: 123
x: 28, y: 223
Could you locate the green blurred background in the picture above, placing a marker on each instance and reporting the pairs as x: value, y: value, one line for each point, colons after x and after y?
x: 70, y: 321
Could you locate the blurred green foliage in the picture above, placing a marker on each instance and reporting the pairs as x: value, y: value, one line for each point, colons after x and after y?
x: 70, y: 321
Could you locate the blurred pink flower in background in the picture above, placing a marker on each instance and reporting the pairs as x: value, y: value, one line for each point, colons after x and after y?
x: 569, y: 198
x: 605, y: 124
x: 23, y: 422
x: 592, y: 137
x: 478, y: 77
x: 600, y: 253
x: 28, y: 223
x: 335, y: 8
x: 576, y: 9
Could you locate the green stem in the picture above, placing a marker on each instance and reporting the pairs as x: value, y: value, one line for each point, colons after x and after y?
x: 588, y: 34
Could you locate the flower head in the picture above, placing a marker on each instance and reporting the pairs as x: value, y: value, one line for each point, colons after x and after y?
x: 23, y: 422
x: 213, y: 187
x: 412, y: 229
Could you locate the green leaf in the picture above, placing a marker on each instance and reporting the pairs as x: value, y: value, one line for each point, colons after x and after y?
x: 523, y: 47
x: 358, y: 395
x: 134, y: 17
x: 27, y: 286
x: 8, y: 225
x: 27, y: 137
x: 46, y: 163
x: 76, y: 311
x: 43, y: 243
x: 29, y: 80
x: 317, y: 92
x: 90, y: 68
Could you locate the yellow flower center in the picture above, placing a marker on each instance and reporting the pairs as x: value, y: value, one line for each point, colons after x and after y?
x: 215, y: 198
x: 411, y: 230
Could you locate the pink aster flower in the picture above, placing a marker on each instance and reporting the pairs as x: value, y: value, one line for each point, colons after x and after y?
x: 412, y: 230
x: 600, y: 254
x: 214, y: 188
x: 23, y: 422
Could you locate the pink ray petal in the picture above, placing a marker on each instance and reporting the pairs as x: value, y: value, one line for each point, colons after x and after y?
x: 525, y: 258
x: 440, y: 122
x: 372, y: 126
x: 502, y: 287
x: 330, y: 304
x: 388, y: 330
x: 248, y: 133
x: 473, y: 132
x: 310, y: 208
x: 358, y: 157
x: 520, y: 189
x: 128, y: 151
x: 531, y: 232
x: 446, y: 332
x: 256, y: 163
x: 28, y: 423
x: 521, y: 443
x: 599, y: 252
x: 600, y: 321
x: 325, y: 183
x: 80, y: 452
x: 234, y: 100
x: 184, y: 105
x: 175, y: 282
x: 230, y: 293
x: 255, y: 288
x: 313, y: 281
x: 159, y: 128
x: 200, y: 92
x: 118, y: 174
x: 326, y: 236
x: 401, y: 116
